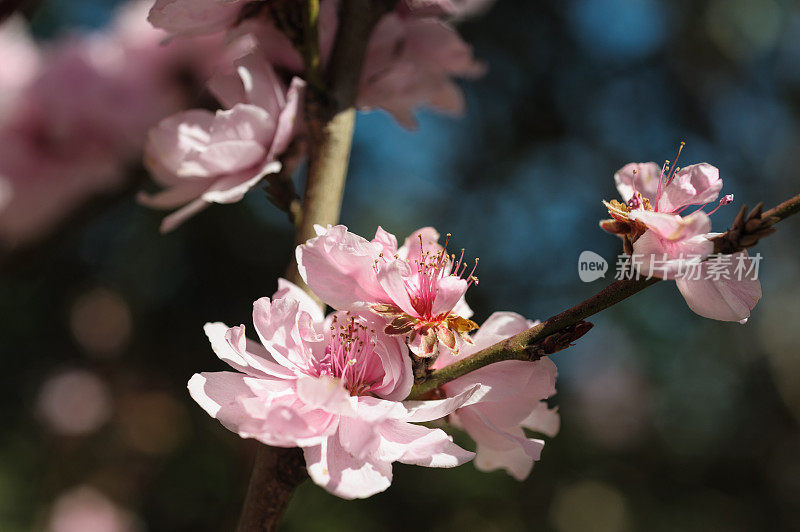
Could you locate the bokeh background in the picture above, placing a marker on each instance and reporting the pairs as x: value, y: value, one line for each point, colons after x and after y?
x: 669, y: 421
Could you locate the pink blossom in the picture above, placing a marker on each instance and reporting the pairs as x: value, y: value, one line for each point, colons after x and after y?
x: 514, y: 401
x: 410, y: 63
x: 332, y: 386
x: 203, y: 157
x: 418, y: 286
x: 670, y: 245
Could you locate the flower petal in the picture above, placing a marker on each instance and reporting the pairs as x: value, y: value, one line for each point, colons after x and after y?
x: 723, y: 299
x: 339, y: 268
x: 448, y: 292
x: 333, y: 468
x: 643, y: 177
x: 418, y: 445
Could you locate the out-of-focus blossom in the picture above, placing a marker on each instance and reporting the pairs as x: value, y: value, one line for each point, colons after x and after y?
x: 84, y: 509
x: 74, y: 403
x: 204, y: 157
x: 332, y: 386
x: 417, y: 287
x: 670, y: 245
x: 613, y: 402
x: 57, y: 152
x: 514, y: 402
x: 195, y: 17
x: 101, y: 322
x: 151, y: 422
x: 411, y: 63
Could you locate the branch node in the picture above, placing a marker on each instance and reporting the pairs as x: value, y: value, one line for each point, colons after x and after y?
x: 558, y: 341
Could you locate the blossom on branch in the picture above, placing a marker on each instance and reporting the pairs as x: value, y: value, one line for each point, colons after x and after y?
x: 204, y: 157
x: 652, y: 220
x: 333, y: 386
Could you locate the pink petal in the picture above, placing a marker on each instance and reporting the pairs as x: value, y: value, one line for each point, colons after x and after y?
x: 175, y: 137
x: 396, y: 365
x: 421, y: 411
x: 673, y: 227
x: 418, y: 445
x: 289, y: 119
x: 276, y: 325
x: 386, y: 240
x: 543, y: 419
x: 359, y: 438
x: 326, y: 393
x: 498, y: 326
x: 697, y: 184
x: 448, y: 292
x: 338, y: 266
x: 658, y: 257
x: 333, y: 468
x: 644, y: 180
x: 232, y: 188
x: 392, y: 279
x: 218, y: 394
x: 724, y: 299
x: 410, y: 250
x: 507, y: 449
x: 287, y: 289
x: 231, y: 346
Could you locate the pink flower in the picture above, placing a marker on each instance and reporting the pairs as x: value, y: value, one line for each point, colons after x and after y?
x: 203, y: 157
x: 418, y: 286
x: 669, y: 245
x: 514, y: 401
x: 332, y: 386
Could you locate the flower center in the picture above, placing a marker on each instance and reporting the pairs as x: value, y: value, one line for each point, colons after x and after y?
x: 350, y: 356
x: 429, y: 269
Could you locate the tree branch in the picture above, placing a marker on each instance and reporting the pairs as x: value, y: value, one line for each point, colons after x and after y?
x: 557, y: 332
x: 330, y: 114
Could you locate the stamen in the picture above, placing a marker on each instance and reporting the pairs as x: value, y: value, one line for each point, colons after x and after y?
x: 726, y: 200
x: 675, y: 165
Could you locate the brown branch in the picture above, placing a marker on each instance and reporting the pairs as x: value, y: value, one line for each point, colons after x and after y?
x: 330, y: 114
x: 276, y: 473
x: 533, y: 343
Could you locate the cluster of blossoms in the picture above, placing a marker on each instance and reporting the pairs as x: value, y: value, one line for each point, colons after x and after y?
x: 336, y: 385
x: 653, y: 222
x: 74, y: 113
x: 202, y: 158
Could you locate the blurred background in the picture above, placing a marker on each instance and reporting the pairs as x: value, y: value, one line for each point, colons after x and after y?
x: 669, y: 421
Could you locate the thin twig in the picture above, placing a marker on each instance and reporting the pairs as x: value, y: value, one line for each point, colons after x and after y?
x: 528, y: 344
